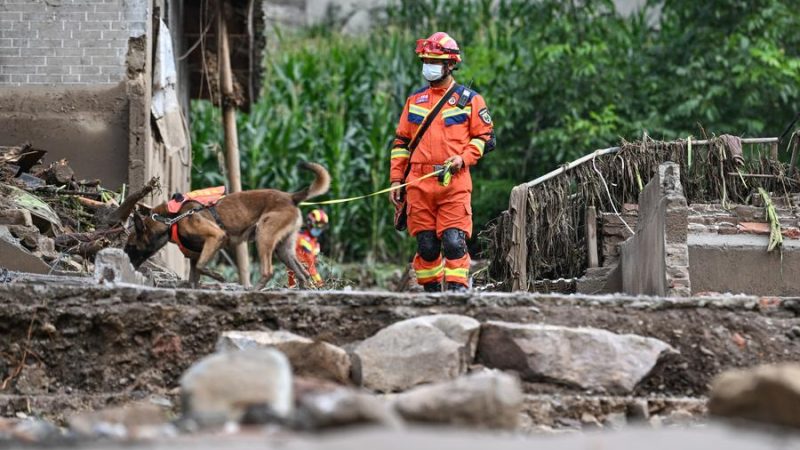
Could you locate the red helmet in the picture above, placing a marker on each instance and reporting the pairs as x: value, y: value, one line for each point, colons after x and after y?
x: 317, y: 218
x: 439, y: 46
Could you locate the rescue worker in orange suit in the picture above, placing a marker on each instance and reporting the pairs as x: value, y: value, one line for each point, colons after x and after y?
x: 440, y: 217
x: 307, y: 247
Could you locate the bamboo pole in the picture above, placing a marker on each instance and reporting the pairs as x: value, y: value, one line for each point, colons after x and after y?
x: 606, y: 151
x: 229, y: 125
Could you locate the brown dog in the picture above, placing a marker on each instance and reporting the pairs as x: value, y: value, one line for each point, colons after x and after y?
x: 269, y: 217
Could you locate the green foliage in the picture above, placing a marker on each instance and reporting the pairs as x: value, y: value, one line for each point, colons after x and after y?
x: 560, y: 80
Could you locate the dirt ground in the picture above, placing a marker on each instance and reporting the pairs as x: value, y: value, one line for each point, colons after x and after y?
x: 131, y: 341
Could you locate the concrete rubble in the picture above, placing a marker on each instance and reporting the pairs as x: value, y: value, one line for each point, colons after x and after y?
x: 232, y: 380
x: 52, y: 222
x: 112, y: 265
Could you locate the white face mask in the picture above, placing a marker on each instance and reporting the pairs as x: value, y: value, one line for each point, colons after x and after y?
x: 432, y: 72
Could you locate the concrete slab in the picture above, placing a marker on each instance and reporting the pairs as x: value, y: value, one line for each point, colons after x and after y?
x: 740, y: 263
x: 15, y: 257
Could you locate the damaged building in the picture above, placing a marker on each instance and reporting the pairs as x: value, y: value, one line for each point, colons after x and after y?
x: 106, y: 85
x: 677, y: 219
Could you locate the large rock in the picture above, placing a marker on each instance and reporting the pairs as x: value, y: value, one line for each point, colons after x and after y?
x: 224, y: 386
x: 139, y: 420
x: 308, y: 358
x: 488, y: 399
x: 415, y: 351
x: 766, y: 394
x: 586, y: 358
x: 344, y: 406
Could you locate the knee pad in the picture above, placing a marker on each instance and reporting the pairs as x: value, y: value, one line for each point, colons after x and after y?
x: 428, y: 245
x: 454, y: 243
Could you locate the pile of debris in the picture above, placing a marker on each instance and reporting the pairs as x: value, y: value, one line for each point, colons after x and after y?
x: 435, y: 370
x: 441, y: 369
x: 53, y: 223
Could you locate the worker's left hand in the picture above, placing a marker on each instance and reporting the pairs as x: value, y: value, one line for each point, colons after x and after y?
x: 456, y: 163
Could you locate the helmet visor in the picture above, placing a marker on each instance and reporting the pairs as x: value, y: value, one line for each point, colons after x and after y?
x: 433, y: 47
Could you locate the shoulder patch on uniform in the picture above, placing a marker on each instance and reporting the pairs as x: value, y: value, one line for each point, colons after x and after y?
x: 485, y: 117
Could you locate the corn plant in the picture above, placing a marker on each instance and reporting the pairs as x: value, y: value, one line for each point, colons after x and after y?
x: 560, y: 79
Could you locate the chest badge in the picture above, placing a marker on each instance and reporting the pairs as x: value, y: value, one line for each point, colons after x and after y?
x: 422, y: 99
x: 452, y: 101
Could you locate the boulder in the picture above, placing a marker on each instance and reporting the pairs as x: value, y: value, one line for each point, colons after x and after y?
x: 308, y: 358
x: 489, y: 399
x: 224, y: 386
x: 415, y: 351
x: 344, y: 406
x: 769, y: 393
x: 586, y: 358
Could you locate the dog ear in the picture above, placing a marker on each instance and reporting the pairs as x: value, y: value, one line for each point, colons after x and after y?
x: 138, y: 223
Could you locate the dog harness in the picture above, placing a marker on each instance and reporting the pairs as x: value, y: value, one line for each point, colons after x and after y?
x: 207, y: 198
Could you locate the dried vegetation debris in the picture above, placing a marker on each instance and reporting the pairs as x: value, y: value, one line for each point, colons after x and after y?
x: 724, y: 171
x: 70, y: 220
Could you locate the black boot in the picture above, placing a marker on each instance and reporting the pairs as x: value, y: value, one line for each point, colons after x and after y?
x: 456, y: 287
x: 432, y: 287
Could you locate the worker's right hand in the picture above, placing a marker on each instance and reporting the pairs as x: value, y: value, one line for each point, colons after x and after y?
x: 396, y: 196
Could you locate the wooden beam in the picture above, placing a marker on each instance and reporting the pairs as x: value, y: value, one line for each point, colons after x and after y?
x: 793, y: 161
x: 229, y: 126
x: 591, y: 236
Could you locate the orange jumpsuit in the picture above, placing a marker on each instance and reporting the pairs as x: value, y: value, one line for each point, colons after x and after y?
x: 307, y: 251
x: 467, y: 132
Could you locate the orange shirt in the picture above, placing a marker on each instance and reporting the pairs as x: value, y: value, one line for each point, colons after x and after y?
x: 467, y: 131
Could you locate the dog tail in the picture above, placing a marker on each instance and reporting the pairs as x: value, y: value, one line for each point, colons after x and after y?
x: 321, y: 183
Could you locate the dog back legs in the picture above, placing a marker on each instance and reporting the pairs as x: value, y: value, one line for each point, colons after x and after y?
x: 273, y: 227
x: 287, y: 255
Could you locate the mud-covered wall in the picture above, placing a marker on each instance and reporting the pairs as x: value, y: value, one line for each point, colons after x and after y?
x: 643, y: 263
x: 88, y: 125
x: 655, y: 261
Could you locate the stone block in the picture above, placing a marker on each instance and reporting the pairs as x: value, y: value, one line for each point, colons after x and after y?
x: 16, y: 217
x: 112, y: 265
x: 225, y: 386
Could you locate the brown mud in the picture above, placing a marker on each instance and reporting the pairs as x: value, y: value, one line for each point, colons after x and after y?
x: 114, y: 344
